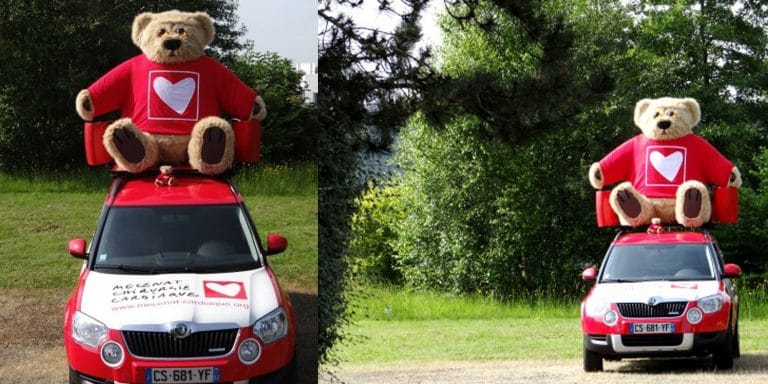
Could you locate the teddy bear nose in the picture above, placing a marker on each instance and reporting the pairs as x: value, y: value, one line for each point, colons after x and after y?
x: 172, y: 44
x: 664, y: 124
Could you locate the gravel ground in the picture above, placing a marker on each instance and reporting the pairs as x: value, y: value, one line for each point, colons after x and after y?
x: 750, y: 368
x: 32, y: 343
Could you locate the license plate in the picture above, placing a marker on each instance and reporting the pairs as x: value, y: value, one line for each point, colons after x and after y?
x: 183, y: 375
x: 652, y: 328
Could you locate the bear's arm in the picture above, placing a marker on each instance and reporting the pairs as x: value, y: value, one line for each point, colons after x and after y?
x: 236, y: 97
x: 718, y: 168
x: 618, y: 164
x: 109, y: 92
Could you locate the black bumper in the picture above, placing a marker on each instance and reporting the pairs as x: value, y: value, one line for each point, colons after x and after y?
x: 703, y: 344
x: 285, y: 375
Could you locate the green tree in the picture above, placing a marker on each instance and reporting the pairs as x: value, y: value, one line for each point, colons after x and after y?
x: 51, y: 50
x: 290, y: 131
x: 362, y: 74
x: 504, y: 210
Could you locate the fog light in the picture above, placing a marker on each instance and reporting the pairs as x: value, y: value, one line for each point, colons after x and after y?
x: 610, y: 318
x: 249, y: 351
x: 112, y: 354
x: 694, y: 316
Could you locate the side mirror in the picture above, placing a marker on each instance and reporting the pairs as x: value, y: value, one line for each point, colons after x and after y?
x: 589, y: 274
x: 731, y: 270
x: 76, y: 247
x: 275, y: 244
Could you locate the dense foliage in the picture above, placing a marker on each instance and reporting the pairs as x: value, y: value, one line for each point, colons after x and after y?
x: 504, y: 211
x: 290, y: 129
x: 51, y: 50
x: 362, y: 73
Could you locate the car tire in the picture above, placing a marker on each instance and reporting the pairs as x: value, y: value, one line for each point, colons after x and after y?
x: 593, y: 362
x: 723, y: 356
x: 73, y: 377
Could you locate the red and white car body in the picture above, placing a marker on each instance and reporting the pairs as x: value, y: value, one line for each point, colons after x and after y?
x: 661, y: 293
x: 176, y: 288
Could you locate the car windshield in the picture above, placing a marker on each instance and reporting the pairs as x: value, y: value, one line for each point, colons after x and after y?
x: 195, y: 239
x: 675, y: 262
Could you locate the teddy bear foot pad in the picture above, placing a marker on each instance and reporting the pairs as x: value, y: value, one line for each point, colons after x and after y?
x: 128, y: 145
x: 692, y: 203
x: 629, y: 204
x: 214, y: 145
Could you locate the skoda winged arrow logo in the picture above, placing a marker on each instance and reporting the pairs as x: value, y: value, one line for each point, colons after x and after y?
x: 653, y: 300
x: 180, y: 331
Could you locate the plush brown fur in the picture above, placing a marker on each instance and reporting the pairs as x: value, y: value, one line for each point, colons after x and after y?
x: 196, y: 145
x: 683, y: 115
x: 151, y: 148
x: 149, y: 32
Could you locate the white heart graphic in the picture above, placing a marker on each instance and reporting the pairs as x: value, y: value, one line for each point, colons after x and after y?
x: 668, y: 166
x: 231, y: 289
x: 178, y: 95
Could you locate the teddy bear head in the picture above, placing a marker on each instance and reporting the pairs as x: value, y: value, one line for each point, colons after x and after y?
x: 172, y: 37
x: 667, y: 118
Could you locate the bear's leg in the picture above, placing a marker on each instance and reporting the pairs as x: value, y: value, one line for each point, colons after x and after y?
x: 172, y: 149
x: 132, y: 149
x: 631, y: 207
x: 692, y: 204
x: 212, y: 146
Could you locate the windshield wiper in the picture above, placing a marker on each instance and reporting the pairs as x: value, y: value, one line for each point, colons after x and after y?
x: 624, y: 280
x: 126, y: 268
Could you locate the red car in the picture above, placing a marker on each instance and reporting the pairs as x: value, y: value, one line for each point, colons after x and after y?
x: 661, y: 294
x: 176, y: 288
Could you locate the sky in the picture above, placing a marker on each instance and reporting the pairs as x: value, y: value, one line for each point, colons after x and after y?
x: 287, y: 27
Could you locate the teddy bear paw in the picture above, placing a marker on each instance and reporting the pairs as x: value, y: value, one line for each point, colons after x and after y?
x: 128, y: 145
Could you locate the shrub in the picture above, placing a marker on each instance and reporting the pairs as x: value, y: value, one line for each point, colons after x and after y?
x: 374, y: 234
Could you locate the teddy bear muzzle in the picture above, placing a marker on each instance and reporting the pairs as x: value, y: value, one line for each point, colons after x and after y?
x: 664, y: 124
x: 172, y: 44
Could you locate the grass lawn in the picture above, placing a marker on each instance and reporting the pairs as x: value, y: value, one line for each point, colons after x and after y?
x: 391, y: 326
x: 41, y: 213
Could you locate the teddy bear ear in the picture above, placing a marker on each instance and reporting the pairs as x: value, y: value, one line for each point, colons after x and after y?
x: 693, y: 106
x: 206, y: 24
x: 640, y: 108
x: 139, y: 24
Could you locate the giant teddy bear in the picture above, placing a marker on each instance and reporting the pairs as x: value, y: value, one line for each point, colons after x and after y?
x: 665, y: 170
x: 171, y: 98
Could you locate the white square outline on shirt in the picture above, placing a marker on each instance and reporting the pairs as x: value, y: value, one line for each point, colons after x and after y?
x: 197, y: 96
x: 648, y: 161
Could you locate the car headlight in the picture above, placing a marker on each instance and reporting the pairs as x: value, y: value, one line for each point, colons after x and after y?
x: 87, y: 330
x: 249, y: 351
x: 272, y: 327
x: 112, y: 354
x: 610, y: 318
x: 596, y: 307
x: 710, y: 304
x: 694, y: 316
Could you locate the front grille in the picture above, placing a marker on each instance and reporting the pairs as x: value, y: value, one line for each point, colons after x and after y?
x: 164, y: 345
x: 672, y: 309
x: 652, y: 340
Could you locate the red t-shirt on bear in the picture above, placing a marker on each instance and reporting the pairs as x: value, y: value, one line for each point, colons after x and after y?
x: 170, y: 98
x: 656, y: 168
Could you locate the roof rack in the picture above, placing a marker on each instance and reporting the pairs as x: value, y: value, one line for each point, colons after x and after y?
x: 121, y: 176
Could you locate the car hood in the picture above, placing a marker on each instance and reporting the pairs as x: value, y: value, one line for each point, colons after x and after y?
x: 125, y: 301
x: 663, y: 291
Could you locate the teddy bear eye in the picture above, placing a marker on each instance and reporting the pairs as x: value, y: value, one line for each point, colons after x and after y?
x: 670, y: 113
x: 655, y: 115
x: 161, y: 32
x: 180, y: 31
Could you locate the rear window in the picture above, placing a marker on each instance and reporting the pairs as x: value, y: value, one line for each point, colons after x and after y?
x: 647, y: 262
x: 196, y: 239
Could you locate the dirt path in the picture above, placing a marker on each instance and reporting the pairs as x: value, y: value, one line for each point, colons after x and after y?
x: 32, y: 346
x: 750, y: 368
